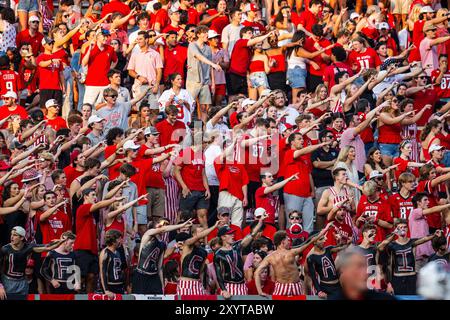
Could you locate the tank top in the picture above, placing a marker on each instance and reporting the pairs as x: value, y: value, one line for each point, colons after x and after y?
x: 426, y: 153
x: 280, y: 65
x: 295, y: 61
x: 256, y: 66
x: 149, y: 258
x: 390, y: 134
x: 338, y: 197
x: 192, y: 263
x: 117, y: 225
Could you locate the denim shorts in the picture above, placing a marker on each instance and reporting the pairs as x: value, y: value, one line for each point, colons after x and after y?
x: 389, y: 149
x: 296, y: 78
x: 258, y: 79
x: 195, y: 201
x: 28, y: 6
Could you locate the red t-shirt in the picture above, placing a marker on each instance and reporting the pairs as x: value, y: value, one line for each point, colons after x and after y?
x: 86, y: 230
x: 56, y: 123
x: 50, y: 73
x: 268, y: 231
x: 169, y: 27
x: 331, y: 70
x: 219, y: 23
x: 98, y: 66
x: 240, y: 58
x: 301, y: 186
x: 255, y: 157
x: 232, y: 177
x: 370, y: 32
x: 9, y: 81
x: 268, y: 202
x: 368, y: 59
x: 307, y: 19
x: 258, y: 28
x: 192, y: 166
x: 174, y: 61
x: 309, y: 46
x: 422, y: 98
x: 28, y: 78
x: 4, y: 112
x: 35, y: 42
x: 154, y: 177
x: 116, y: 6
x: 403, y: 167
x: 377, y: 210
x: 443, y: 89
x: 54, y: 226
x: 71, y: 174
x: 114, y: 171
x: 142, y: 167
x: 338, y: 228
x: 169, y: 133
x: 162, y: 17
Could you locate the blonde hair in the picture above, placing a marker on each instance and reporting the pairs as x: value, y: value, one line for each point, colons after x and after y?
x: 343, y: 154
x: 415, y: 12
x: 317, y: 91
x: 369, y: 188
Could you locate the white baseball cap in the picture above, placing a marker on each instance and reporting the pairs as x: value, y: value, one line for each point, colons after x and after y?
x: 354, y: 15
x: 375, y: 174
x: 259, y: 212
x: 248, y: 102
x: 51, y: 103
x: 383, y: 25
x: 10, y: 94
x: 427, y: 9
x: 212, y: 34
x: 435, y: 147
x: 33, y: 18
x: 19, y: 230
x: 94, y: 118
x: 130, y: 145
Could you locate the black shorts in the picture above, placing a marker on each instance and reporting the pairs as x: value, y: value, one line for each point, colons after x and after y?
x: 237, y: 84
x: 330, y: 289
x: 146, y: 284
x: 45, y: 95
x: 404, y: 285
x: 277, y: 80
x: 195, y: 201
x: 87, y: 261
x: 251, y: 191
x: 62, y: 289
x: 116, y: 288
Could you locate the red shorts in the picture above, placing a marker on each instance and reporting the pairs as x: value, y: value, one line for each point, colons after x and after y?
x: 190, y: 288
x: 288, y: 289
x: 221, y: 90
x: 237, y: 289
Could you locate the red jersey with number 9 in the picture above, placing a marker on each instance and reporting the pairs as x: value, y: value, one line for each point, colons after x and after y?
x: 9, y: 81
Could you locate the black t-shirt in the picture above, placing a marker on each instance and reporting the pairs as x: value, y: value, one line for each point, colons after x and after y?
x: 368, y: 295
x: 323, y: 177
x: 445, y: 259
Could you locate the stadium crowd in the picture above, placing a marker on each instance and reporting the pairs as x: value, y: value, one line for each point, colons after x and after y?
x: 235, y: 147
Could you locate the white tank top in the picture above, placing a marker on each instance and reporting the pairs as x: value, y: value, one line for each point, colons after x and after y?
x: 295, y: 61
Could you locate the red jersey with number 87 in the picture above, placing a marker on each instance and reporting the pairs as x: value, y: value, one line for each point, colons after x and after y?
x: 443, y: 89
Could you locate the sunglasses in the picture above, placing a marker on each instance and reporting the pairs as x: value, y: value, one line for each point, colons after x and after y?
x: 422, y: 77
x: 330, y: 137
x: 112, y: 96
x: 34, y: 22
x: 66, y: 15
x: 295, y: 218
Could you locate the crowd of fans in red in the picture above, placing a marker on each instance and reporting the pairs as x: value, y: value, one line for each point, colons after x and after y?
x: 222, y: 147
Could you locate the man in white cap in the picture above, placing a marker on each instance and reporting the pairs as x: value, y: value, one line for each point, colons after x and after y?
x: 15, y: 256
x: 221, y: 57
x: 9, y: 79
x: 140, y: 178
x: 97, y: 124
x: 10, y: 107
x: 50, y: 69
x: 53, y: 119
x: 31, y: 36
x: 252, y: 11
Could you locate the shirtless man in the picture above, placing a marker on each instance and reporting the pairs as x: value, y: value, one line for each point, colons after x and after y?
x: 283, y: 262
x: 193, y: 258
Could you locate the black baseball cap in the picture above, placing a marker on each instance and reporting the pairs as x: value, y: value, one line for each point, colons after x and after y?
x: 182, y: 236
x: 225, y: 230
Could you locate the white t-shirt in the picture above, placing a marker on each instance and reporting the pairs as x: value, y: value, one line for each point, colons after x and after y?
x: 290, y: 117
x: 230, y: 35
x: 184, y: 113
x: 211, y: 153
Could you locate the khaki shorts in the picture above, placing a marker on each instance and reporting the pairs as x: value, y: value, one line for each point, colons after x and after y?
x: 200, y: 91
x: 400, y: 6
